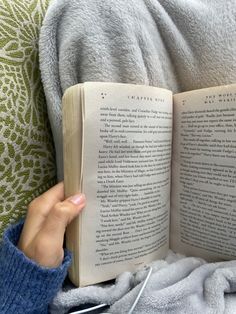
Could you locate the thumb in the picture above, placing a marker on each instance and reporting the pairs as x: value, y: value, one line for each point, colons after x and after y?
x: 61, y: 214
x: 47, y: 247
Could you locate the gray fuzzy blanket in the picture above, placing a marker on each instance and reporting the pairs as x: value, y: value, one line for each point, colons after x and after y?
x: 176, y: 44
x: 178, y: 285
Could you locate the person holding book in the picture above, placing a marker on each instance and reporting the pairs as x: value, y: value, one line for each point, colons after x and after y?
x: 178, y: 45
x: 33, y: 261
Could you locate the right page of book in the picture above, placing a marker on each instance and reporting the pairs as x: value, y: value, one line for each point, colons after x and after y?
x: 203, y: 194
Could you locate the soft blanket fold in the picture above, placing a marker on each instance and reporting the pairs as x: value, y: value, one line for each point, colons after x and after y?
x: 176, y: 44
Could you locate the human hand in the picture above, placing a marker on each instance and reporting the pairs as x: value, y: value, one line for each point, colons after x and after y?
x: 43, y: 233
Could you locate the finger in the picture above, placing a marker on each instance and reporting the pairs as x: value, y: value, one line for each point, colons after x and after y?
x: 41, y: 205
x: 61, y: 215
x: 37, y: 212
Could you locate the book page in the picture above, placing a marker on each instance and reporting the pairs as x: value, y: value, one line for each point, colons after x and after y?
x: 203, y: 196
x: 126, y: 178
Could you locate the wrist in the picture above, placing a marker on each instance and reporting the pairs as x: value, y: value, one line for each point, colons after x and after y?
x: 23, y: 279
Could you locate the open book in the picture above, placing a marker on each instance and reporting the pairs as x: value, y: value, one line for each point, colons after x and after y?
x: 158, y: 171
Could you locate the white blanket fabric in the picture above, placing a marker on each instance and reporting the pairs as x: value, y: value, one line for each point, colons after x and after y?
x: 176, y: 44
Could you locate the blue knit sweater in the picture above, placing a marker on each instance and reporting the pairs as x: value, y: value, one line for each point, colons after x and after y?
x: 25, y: 287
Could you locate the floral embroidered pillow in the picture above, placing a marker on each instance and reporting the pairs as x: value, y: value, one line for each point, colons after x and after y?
x: 27, y: 158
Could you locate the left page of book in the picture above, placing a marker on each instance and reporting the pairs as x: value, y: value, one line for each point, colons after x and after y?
x: 127, y: 138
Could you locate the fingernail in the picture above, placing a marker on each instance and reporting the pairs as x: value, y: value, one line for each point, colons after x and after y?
x: 77, y: 199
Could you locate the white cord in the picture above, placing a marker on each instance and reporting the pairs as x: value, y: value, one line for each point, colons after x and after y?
x: 141, y: 291
x: 133, y: 306
x: 90, y: 309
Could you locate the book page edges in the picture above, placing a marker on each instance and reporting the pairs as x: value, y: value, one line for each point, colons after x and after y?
x: 73, y: 151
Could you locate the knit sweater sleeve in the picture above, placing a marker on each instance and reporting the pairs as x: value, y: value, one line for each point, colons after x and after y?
x: 25, y: 287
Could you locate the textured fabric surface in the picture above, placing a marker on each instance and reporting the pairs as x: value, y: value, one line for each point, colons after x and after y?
x: 177, y: 285
x: 184, y: 286
x: 176, y: 44
x: 25, y: 286
x: 27, y: 165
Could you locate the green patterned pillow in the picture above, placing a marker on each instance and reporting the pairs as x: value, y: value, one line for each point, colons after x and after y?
x: 27, y: 160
